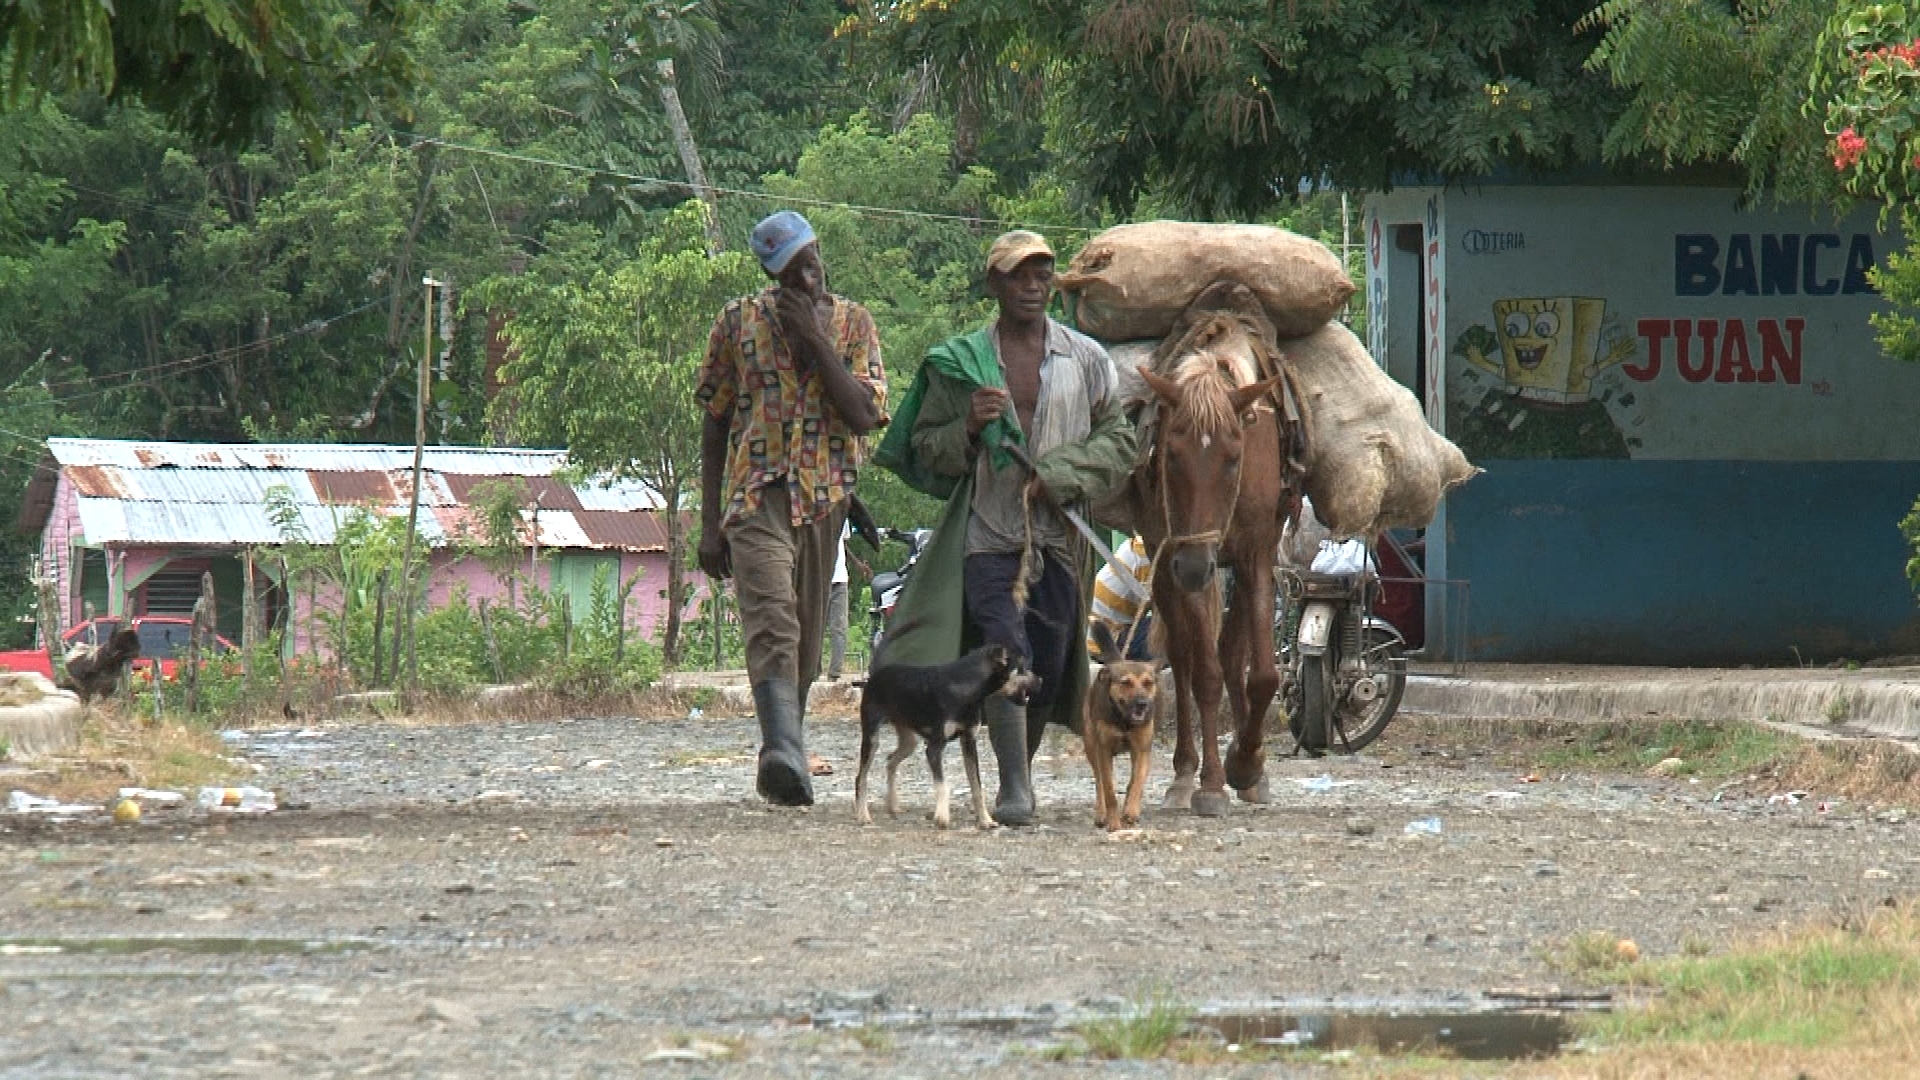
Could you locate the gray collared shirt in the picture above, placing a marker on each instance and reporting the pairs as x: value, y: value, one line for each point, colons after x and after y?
x: 1077, y: 380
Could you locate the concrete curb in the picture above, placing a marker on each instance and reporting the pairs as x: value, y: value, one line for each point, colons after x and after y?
x: 1858, y: 702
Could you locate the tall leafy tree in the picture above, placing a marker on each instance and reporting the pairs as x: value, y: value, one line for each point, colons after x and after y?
x: 1718, y: 83
x: 224, y: 70
x: 1224, y: 105
x: 607, y: 352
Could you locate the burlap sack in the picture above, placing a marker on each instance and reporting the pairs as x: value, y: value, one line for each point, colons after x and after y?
x: 1372, y: 461
x: 1134, y: 281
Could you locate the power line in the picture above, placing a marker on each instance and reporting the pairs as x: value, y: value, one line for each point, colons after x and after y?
x: 189, y: 363
x: 30, y: 441
x: 796, y: 200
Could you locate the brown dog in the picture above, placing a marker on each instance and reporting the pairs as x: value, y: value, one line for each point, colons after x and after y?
x: 1120, y: 708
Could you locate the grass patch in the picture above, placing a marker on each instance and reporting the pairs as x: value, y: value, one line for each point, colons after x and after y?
x: 1706, y: 748
x: 1865, y: 770
x: 1596, y: 957
x: 1827, y: 984
x: 117, y: 750
x: 1146, y: 1030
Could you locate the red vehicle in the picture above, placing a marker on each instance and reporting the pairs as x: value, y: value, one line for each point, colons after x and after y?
x: 163, y: 638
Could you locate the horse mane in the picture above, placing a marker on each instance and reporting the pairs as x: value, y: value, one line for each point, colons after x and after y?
x: 1206, y: 395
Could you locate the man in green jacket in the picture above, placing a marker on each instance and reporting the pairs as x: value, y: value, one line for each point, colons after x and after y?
x: 1026, y: 379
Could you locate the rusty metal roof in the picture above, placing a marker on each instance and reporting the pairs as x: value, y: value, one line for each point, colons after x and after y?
x: 156, y: 493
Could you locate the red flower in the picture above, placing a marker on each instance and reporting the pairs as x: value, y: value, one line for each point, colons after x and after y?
x: 1847, y: 147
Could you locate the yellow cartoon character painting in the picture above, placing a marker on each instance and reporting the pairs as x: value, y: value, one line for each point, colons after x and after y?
x: 1545, y: 352
x: 1550, y: 347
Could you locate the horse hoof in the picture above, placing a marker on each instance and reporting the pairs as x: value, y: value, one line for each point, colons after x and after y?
x: 1245, y: 773
x: 1210, y: 803
x: 1256, y: 794
x: 1179, y: 796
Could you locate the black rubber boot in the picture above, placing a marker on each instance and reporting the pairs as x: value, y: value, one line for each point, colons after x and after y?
x: 783, y: 777
x: 1007, y: 732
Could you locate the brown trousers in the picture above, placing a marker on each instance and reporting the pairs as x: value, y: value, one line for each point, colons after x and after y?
x: 781, y: 575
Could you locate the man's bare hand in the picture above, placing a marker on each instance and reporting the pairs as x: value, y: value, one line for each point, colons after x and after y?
x: 989, y: 404
x: 801, y: 321
x: 716, y: 558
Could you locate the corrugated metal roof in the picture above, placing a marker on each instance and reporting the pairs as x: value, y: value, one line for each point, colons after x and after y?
x: 135, y: 493
x: 558, y: 529
x: 347, y: 488
x: 631, y: 532
x: 619, y: 495
x: 100, y: 481
x: 344, y: 457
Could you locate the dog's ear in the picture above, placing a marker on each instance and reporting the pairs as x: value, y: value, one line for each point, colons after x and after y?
x: 1104, y: 650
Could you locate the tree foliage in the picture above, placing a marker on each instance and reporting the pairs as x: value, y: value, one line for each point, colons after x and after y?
x: 1718, y: 84
x: 1227, y: 104
x: 607, y: 350
x: 222, y: 70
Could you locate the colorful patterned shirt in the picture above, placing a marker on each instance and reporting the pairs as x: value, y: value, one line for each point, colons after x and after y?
x: 783, y: 428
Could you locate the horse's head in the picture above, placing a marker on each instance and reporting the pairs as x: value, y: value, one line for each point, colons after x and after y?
x: 1196, y: 459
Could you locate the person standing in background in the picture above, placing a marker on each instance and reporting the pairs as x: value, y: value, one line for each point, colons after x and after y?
x: 837, y: 609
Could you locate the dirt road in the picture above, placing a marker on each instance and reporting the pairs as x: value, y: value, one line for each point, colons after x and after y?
x: 597, y: 897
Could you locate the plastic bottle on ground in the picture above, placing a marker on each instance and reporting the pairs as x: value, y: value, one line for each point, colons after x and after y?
x: 237, y: 800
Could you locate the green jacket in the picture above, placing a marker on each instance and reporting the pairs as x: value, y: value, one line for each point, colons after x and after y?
x: 929, y: 623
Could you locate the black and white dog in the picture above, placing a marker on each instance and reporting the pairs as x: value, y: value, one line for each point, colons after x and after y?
x: 935, y: 702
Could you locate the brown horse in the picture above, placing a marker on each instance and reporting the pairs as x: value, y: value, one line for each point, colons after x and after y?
x: 1213, y: 491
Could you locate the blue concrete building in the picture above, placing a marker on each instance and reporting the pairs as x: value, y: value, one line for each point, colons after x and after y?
x: 1696, y: 453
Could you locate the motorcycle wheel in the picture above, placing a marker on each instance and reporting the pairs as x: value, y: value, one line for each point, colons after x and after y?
x: 1316, y: 705
x: 1361, y: 724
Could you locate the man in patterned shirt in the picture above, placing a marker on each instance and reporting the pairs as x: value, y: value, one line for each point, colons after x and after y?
x: 791, y: 384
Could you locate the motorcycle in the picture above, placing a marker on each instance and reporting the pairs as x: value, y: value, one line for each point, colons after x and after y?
x: 885, y: 589
x: 1343, y: 670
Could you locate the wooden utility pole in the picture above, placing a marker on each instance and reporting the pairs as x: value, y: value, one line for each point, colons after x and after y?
x: 413, y: 504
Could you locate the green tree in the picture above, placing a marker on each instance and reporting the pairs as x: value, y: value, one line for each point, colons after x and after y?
x: 607, y: 354
x: 1715, y: 83
x: 224, y: 70
x: 1224, y: 105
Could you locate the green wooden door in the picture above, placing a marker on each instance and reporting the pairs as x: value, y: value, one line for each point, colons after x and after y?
x: 575, y: 577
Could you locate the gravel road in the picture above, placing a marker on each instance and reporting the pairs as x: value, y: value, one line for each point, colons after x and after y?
x: 604, y: 897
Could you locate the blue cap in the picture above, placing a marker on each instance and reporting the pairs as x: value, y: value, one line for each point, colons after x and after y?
x: 778, y: 238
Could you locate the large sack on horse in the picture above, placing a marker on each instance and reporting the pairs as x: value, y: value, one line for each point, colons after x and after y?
x: 1134, y: 281
x: 1372, y: 461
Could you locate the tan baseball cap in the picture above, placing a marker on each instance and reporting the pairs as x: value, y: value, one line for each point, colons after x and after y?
x: 1016, y: 247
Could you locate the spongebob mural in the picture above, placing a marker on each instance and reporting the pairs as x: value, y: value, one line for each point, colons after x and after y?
x: 1537, y: 383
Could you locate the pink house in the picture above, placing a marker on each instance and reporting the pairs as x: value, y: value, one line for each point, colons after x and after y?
x: 127, y: 528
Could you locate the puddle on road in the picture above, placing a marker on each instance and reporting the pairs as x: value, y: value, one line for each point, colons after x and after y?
x: 1453, y: 1029
x: 1463, y: 1033
x: 199, y: 946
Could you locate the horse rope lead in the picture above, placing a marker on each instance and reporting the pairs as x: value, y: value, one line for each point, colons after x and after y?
x: 1211, y: 536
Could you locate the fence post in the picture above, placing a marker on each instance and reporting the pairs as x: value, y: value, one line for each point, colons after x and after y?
x: 287, y: 632
x: 414, y: 602
x: 493, y: 644
x: 247, y: 638
x: 399, y: 620
x: 620, y: 627
x: 379, y: 620
x: 50, y: 628
x: 566, y: 627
